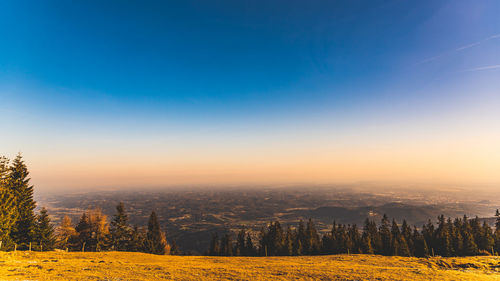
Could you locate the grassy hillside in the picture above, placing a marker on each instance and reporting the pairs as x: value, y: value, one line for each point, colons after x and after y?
x: 138, y: 266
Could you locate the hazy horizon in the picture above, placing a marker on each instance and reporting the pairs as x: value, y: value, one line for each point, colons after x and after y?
x: 120, y: 95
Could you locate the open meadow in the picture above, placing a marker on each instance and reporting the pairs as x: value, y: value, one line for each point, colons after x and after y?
x: 139, y: 266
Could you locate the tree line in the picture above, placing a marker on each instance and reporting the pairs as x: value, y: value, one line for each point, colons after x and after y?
x: 22, y: 229
x: 458, y: 237
x: 93, y: 233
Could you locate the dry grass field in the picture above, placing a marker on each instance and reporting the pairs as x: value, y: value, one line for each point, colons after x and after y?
x: 138, y: 266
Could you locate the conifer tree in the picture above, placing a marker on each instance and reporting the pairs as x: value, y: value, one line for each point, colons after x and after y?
x: 288, y: 245
x: 396, y: 239
x: 370, y: 227
x: 326, y: 244
x: 44, y: 234
x: 275, y: 239
x: 428, y: 234
x: 366, y: 244
x: 301, y: 237
x: 486, y: 240
x: 407, y: 234
x: 421, y: 248
x: 137, y: 239
x: 174, y: 249
x: 19, y: 184
x: 214, y: 249
x: 497, y: 232
x: 120, y: 231
x: 226, y: 245
x: 239, y: 248
x: 403, y: 249
x: 84, y: 230
x: 249, y: 247
x: 263, y: 242
x: 343, y: 241
x: 457, y: 242
x: 8, y: 209
x: 386, y: 237
x: 497, y: 220
x: 297, y: 248
x: 443, y: 240
x: 312, y: 245
x: 355, y: 238
x: 155, y: 239
x: 475, y: 230
x: 470, y: 247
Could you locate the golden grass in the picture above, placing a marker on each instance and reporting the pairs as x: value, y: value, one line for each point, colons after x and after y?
x: 138, y: 266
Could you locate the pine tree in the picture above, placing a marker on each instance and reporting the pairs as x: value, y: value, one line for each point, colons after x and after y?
x: 403, y: 249
x: 457, y: 243
x: 370, y: 228
x: 470, y: 247
x: 399, y: 242
x: 497, y: 232
x: 19, y: 183
x: 407, y: 234
x: 421, y: 248
x: 137, y: 240
x: 342, y: 240
x: 326, y: 244
x: 486, y: 240
x: 275, y: 239
x: 442, y: 238
x: 396, y: 239
x: 354, y: 238
x: 298, y: 250
x: 312, y: 245
x: 8, y: 210
x: 120, y: 231
x: 239, y: 248
x: 174, y: 249
x: 249, y: 247
x: 300, y: 240
x: 214, y: 249
x: 226, y: 245
x: 44, y: 234
x: 366, y: 244
x: 84, y: 230
x: 475, y: 230
x: 155, y: 239
x: 386, y: 237
x: 497, y: 221
x: 262, y: 248
x: 428, y: 234
x: 288, y: 246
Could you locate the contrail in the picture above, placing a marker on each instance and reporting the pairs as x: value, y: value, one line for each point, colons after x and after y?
x: 482, y: 68
x: 461, y: 48
x: 477, y: 43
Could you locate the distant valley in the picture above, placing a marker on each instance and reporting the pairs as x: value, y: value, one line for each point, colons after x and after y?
x: 194, y: 214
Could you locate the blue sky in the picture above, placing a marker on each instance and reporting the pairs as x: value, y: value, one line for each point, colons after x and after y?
x: 97, y: 78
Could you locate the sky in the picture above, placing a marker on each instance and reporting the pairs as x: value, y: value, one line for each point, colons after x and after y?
x: 111, y: 94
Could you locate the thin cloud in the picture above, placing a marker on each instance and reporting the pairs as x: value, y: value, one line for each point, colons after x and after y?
x: 468, y: 46
x: 488, y: 67
x: 459, y: 49
x: 477, y: 43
